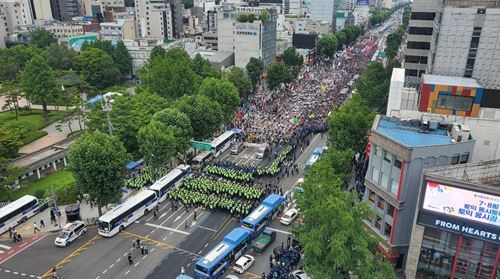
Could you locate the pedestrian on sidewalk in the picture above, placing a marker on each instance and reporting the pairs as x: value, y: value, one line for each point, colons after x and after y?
x: 42, y: 224
x: 194, y: 216
x: 35, y: 227
x: 155, y: 215
x: 142, y: 249
x: 17, y: 237
x: 10, y: 232
x: 186, y: 224
x: 54, y: 273
x: 130, y: 260
x: 138, y: 243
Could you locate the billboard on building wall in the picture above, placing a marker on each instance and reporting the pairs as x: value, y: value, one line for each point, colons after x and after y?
x: 461, y: 203
x: 362, y: 3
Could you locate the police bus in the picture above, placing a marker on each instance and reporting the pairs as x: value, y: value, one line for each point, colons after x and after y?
x: 18, y: 212
x: 213, y: 264
x: 169, y: 181
x: 223, y: 142
x: 256, y: 221
x: 126, y: 213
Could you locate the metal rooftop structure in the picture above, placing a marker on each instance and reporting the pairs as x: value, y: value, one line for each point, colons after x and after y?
x: 484, y: 173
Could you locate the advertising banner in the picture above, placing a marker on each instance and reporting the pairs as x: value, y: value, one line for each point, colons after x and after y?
x: 463, y: 204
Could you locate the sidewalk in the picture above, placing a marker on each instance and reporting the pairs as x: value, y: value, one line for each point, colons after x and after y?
x: 26, y: 229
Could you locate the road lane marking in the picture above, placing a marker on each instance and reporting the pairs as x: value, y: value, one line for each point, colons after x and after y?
x: 137, y: 263
x: 119, y: 259
x: 4, y: 246
x: 221, y: 228
x: 153, y: 249
x: 200, y: 252
x: 68, y: 258
x: 163, y: 215
x: 185, y: 251
x: 208, y: 229
x: 164, y: 244
x: 206, y: 244
x: 15, y: 272
x: 104, y: 272
x: 144, y: 257
x: 128, y: 271
x: 111, y: 266
x: 166, y: 228
x: 19, y: 251
x: 309, y: 146
x: 280, y: 231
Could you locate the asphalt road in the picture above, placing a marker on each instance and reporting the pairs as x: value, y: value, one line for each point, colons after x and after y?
x: 171, y: 245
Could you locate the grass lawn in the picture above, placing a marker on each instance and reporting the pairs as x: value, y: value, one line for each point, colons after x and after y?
x: 29, y: 125
x: 62, y: 180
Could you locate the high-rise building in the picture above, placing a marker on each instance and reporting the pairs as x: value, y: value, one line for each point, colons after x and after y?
x: 456, y: 233
x: 15, y: 14
x: 322, y: 10
x: 41, y: 10
x: 153, y: 19
x: 399, y: 150
x: 64, y: 9
x: 177, y: 9
x: 247, y: 39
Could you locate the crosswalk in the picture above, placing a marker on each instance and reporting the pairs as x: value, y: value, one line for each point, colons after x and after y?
x: 4, y: 248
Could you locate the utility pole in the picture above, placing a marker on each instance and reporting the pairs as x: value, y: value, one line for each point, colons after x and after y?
x: 54, y: 199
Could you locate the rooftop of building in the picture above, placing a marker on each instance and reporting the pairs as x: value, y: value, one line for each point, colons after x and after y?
x: 450, y: 80
x: 479, y: 173
x: 413, y: 133
x: 213, y: 56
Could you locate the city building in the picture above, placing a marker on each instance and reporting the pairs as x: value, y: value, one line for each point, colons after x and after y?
x: 247, y: 39
x: 210, y: 39
x: 64, y: 10
x: 41, y: 10
x: 218, y: 59
x: 15, y: 14
x: 399, y: 149
x: 419, y: 37
x: 177, y: 9
x: 63, y: 30
x: 139, y: 51
x: 322, y: 10
x: 456, y: 233
x: 153, y: 20
x: 468, y: 44
x: 122, y: 29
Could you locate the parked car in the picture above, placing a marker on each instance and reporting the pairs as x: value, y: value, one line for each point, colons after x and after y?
x: 236, y: 148
x: 289, y: 216
x: 70, y: 233
x: 299, y: 274
x: 243, y: 263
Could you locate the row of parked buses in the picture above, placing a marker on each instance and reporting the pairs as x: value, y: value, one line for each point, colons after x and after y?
x: 141, y: 203
x: 234, y: 244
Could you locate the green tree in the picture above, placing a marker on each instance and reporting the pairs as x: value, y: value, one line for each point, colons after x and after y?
x: 327, y: 46
x: 177, y: 54
x: 157, y: 143
x: 42, y: 38
x: 13, y: 93
x: 9, y: 144
x: 105, y: 45
x: 98, y: 165
x: 60, y: 57
x: 341, y: 39
x: 169, y: 78
x: 122, y: 58
x: 277, y: 73
x: 255, y: 68
x: 291, y: 57
x: 349, y: 124
x: 373, y: 85
x: 128, y: 114
x: 14, y: 59
x: 394, y: 41
x: 39, y: 83
x: 205, y: 115
x: 156, y: 53
x: 181, y: 125
x: 97, y: 68
x: 203, y: 67
x: 240, y: 80
x: 222, y: 92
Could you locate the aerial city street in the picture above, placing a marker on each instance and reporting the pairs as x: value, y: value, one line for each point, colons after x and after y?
x: 252, y: 139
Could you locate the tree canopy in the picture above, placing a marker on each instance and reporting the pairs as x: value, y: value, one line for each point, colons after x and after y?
x: 9, y: 144
x: 42, y: 38
x: 205, y: 115
x: 157, y: 143
x: 39, y: 83
x: 128, y: 115
x: 60, y: 57
x: 122, y: 58
x: 277, y: 73
x: 373, y: 85
x: 255, y: 68
x: 98, y: 165
x: 224, y: 93
x: 203, y: 68
x: 240, y: 80
x: 98, y: 68
x: 14, y: 59
x: 181, y: 125
x: 328, y: 45
x: 291, y: 57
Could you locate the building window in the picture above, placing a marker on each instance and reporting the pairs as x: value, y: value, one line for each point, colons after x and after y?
x: 394, y: 186
x: 397, y: 163
x: 375, y: 175
x: 381, y: 203
x: 387, y: 156
x: 387, y: 230
x: 378, y: 223
x: 416, y: 59
x: 481, y: 11
x: 464, y: 158
x: 418, y: 45
x: 390, y: 210
x: 420, y: 30
x: 372, y: 196
x: 455, y: 159
x: 384, y: 181
x: 422, y: 16
x: 452, y: 102
x: 378, y: 151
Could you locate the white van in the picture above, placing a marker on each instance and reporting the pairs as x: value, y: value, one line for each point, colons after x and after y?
x: 236, y: 148
x: 262, y: 152
x: 70, y: 233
